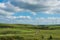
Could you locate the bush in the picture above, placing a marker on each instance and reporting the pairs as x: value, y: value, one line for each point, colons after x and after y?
x: 50, y: 38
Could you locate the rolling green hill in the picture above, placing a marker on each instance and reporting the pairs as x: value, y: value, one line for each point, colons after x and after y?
x: 29, y: 32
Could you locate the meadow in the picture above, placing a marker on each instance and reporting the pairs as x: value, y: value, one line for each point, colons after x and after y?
x: 29, y: 32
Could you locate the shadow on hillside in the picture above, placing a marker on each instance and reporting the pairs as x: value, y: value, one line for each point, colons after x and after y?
x: 54, y: 39
x: 11, y: 38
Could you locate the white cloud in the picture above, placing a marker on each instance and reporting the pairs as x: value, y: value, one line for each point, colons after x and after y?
x: 24, y: 17
x: 33, y: 13
x: 11, y: 8
x: 5, y: 13
x: 18, y: 17
x: 2, y: 5
x: 7, y: 10
x: 46, y: 6
x: 11, y: 17
x: 30, y: 1
x: 48, y: 20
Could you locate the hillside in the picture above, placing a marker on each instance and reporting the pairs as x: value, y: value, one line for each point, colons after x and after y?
x: 29, y: 32
x: 29, y: 26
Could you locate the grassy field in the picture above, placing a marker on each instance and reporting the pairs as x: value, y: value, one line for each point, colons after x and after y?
x: 27, y: 32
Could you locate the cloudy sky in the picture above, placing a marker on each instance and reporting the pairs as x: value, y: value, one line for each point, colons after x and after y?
x: 30, y: 11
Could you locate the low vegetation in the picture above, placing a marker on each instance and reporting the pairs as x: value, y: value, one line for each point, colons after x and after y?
x: 29, y: 32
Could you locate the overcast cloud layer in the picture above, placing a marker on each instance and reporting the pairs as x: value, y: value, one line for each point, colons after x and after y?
x: 34, y: 8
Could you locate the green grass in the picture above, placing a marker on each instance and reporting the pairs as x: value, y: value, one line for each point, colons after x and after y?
x: 26, y: 32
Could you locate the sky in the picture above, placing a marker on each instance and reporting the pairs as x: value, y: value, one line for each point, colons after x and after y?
x: 30, y: 12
